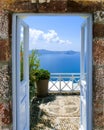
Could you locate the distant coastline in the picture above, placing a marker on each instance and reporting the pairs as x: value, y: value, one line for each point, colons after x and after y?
x: 69, y: 52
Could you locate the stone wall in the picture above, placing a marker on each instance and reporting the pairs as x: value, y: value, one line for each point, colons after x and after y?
x: 96, y: 7
x: 98, y: 71
x: 5, y: 97
x: 5, y: 71
x: 5, y: 35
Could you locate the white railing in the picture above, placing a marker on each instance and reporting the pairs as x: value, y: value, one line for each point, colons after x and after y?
x: 64, y: 82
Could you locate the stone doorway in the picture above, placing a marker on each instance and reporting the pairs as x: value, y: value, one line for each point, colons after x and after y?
x: 89, y: 81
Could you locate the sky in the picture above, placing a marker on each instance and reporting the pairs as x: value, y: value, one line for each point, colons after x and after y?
x: 54, y: 32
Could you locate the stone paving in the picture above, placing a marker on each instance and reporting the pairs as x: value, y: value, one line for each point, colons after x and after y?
x: 56, y: 112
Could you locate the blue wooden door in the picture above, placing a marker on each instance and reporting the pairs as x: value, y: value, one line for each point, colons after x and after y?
x: 86, y: 75
x: 22, y: 75
x: 83, y: 91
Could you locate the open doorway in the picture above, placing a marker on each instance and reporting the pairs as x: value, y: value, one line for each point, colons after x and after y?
x: 86, y: 36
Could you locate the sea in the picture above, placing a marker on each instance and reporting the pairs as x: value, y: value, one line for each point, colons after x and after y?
x: 60, y: 63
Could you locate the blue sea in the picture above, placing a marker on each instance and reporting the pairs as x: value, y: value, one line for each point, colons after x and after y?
x: 60, y: 63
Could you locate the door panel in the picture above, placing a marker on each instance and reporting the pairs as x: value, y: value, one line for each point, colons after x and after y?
x: 83, y: 105
x: 22, y: 76
x: 86, y: 75
x: 83, y: 92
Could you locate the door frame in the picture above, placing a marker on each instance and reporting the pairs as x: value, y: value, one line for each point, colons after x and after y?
x: 14, y: 71
x: 89, y: 73
x: 89, y: 77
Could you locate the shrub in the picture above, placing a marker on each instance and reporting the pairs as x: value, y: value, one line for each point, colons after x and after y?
x: 41, y: 74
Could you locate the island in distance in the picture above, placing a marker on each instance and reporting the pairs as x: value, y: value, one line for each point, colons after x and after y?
x: 43, y: 51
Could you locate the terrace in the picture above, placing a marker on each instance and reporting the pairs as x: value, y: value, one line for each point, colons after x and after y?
x: 61, y: 108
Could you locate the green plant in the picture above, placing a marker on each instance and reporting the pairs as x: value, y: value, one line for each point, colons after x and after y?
x: 34, y: 64
x: 41, y: 74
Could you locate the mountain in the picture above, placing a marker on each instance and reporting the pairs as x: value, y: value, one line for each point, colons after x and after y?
x: 70, y: 52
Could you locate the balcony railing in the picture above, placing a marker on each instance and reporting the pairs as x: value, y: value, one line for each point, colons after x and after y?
x: 64, y: 82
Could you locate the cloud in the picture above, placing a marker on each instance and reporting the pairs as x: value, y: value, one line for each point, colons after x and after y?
x: 35, y: 34
x: 49, y: 37
x: 52, y: 36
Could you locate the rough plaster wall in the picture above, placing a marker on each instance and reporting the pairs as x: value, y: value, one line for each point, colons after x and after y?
x: 5, y: 71
x: 5, y: 35
x: 5, y: 96
x: 62, y: 6
x: 98, y: 70
x: 53, y: 6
